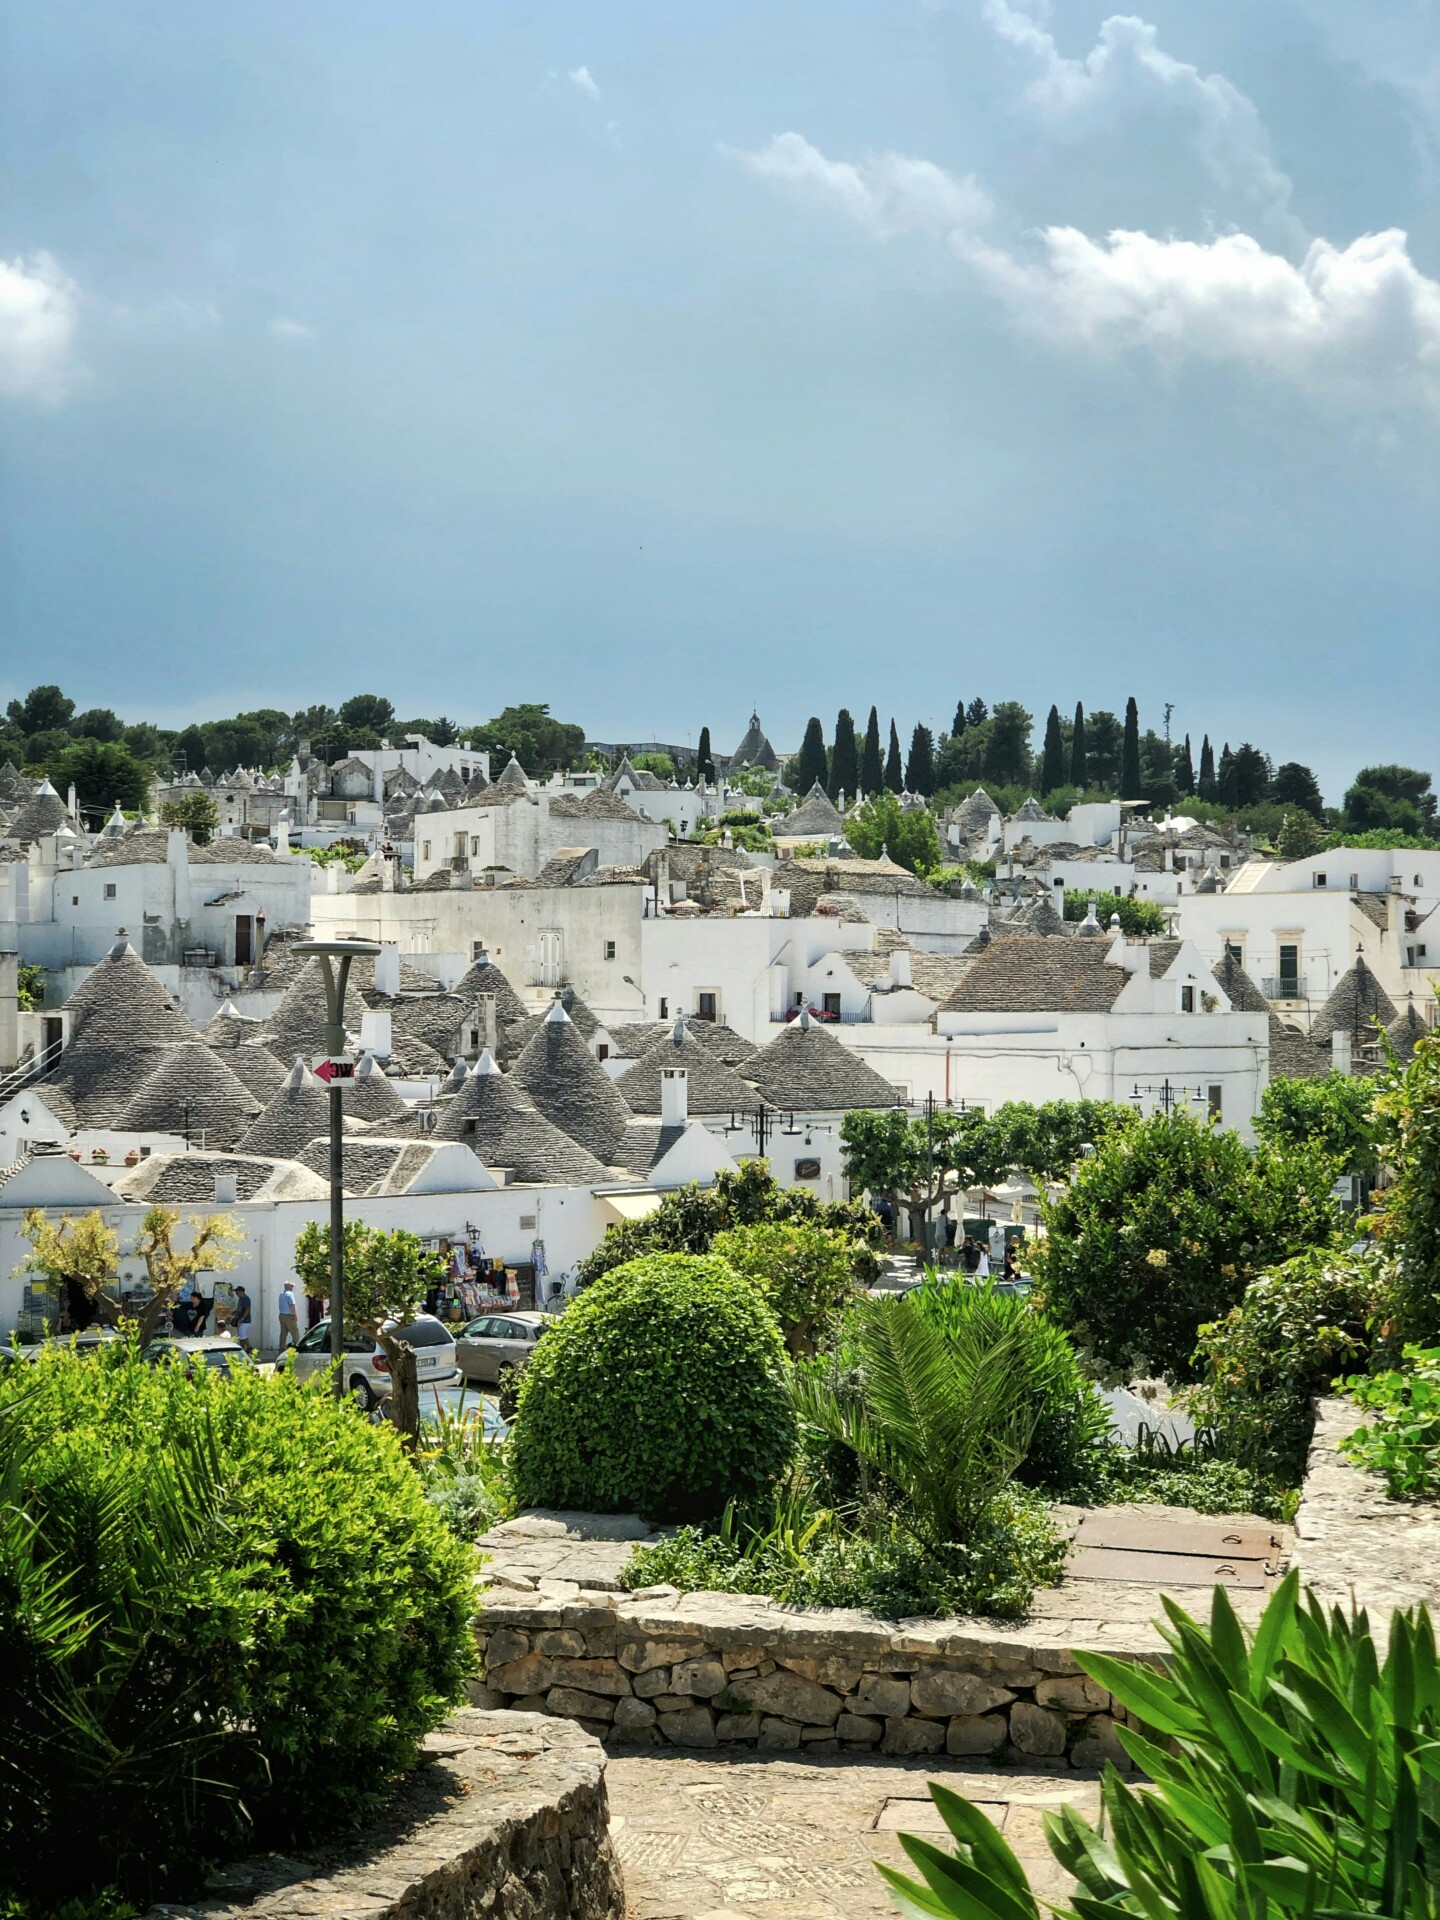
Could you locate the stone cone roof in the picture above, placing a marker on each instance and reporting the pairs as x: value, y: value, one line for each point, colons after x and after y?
x: 724, y: 1042
x: 1405, y: 1032
x: 1243, y: 994
x: 560, y: 1075
x: 976, y: 812
x: 121, y: 1021
x: 493, y: 1117
x: 1293, y: 1056
x: 255, y: 1067
x: 299, y: 1112
x: 370, y: 1095
x: 193, y: 1092
x: 485, y: 977
x: 816, y: 814
x: 43, y: 812
x: 1357, y: 1003
x: 711, y: 1086
x: 228, y: 1027
x: 513, y: 775
x: 15, y: 789
x: 298, y: 1024
x: 807, y: 1070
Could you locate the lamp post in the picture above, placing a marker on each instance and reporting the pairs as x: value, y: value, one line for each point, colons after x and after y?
x: 335, y: 957
x: 1169, y: 1097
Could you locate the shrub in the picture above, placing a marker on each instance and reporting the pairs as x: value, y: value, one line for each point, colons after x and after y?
x: 1407, y: 1112
x: 1296, y: 1776
x: 228, y: 1615
x: 1268, y: 1358
x: 1163, y: 1230
x: 1334, y: 1112
x: 1403, y: 1440
x: 1071, y: 1421
x: 1138, y: 918
x: 662, y: 1389
x: 806, y: 1272
x: 1193, y: 1477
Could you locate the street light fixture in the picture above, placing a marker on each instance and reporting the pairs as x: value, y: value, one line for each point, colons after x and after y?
x: 335, y: 957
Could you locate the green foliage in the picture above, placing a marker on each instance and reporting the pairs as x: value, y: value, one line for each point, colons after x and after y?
x: 1407, y: 1119
x: 880, y: 825
x: 810, y: 1559
x: 660, y: 764
x: 1291, y: 1771
x: 687, y: 1221
x: 1188, y: 1476
x: 195, y: 814
x: 1335, y: 1113
x: 465, y: 1474
x: 890, y: 1152
x: 1403, y: 1439
x: 812, y: 762
x: 945, y: 879
x: 1163, y: 1230
x: 1267, y: 1359
x: 807, y: 1273
x: 1139, y: 918
x: 104, y: 773
x: 387, y: 1272
x: 1047, y: 1141
x: 43, y: 710
x: 1392, y: 798
x: 1300, y: 835
x: 31, y: 989
x: 540, y: 743
x: 662, y: 1389
x: 1383, y: 839
x: 229, y: 1618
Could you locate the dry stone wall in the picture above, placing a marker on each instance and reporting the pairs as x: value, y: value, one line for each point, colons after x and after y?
x: 726, y: 1670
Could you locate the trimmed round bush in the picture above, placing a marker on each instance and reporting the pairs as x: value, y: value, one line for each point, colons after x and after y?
x: 229, y: 1617
x: 662, y: 1390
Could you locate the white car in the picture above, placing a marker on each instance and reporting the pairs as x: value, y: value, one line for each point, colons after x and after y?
x: 367, y: 1371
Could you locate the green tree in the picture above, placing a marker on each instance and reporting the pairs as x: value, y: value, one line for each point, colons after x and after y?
x: 43, y: 710
x: 539, y: 742
x: 1138, y: 918
x: 845, y: 759
x: 195, y: 813
x: 811, y: 763
x: 1184, y: 771
x: 1104, y: 738
x: 1296, y: 786
x: 1079, y: 760
x: 104, y: 773
x: 1052, y: 763
x: 1131, y: 786
x: 1225, y: 777
x: 31, y: 989
x: 872, y: 771
x: 1007, y: 753
x: 369, y: 710
x: 1163, y: 1230
x: 705, y: 759
x: 1157, y: 769
x: 1300, y: 836
x: 1048, y: 1141
x: 977, y: 713
x: 1391, y: 796
x: 807, y: 1273
x: 98, y: 723
x: 1249, y: 777
x: 957, y: 725
x: 82, y: 1256
x: 881, y: 825
x: 660, y: 764
x: 1206, y: 786
x: 913, y: 1163
x: 188, y: 753
x: 1407, y: 1115
x: 1335, y: 1113
x: 894, y: 776
x: 920, y: 767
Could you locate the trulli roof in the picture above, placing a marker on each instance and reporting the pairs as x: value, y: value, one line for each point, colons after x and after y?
x: 711, y: 1086
x: 494, y: 1118
x: 566, y: 1082
x: 805, y: 1069
x: 191, y: 1091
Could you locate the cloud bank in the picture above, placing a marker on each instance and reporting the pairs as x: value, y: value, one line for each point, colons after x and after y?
x: 39, y: 314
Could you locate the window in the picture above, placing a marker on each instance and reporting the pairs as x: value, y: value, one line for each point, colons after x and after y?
x: 474, y: 846
x: 74, y: 899
x: 1320, y: 879
x: 1235, y: 950
x: 477, y: 949
x: 831, y: 1005
x: 664, y: 1009
x: 799, y: 999
x: 609, y: 949
x: 1217, y: 1101
x: 1354, y: 883
x: 1418, y: 881
x: 424, y: 849
x: 706, y: 1006
x: 1187, y: 999
x: 1058, y: 883
x: 1289, y: 972
x: 109, y: 889
x: 602, y: 1052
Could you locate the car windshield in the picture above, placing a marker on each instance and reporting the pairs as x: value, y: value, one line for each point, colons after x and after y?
x: 426, y: 1332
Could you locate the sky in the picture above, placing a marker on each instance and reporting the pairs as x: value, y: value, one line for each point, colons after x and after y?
x: 664, y: 362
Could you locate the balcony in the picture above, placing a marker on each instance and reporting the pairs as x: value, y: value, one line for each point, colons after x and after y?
x: 1284, y: 986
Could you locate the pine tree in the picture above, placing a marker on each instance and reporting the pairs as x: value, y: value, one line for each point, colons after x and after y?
x: 920, y: 767
x: 893, y: 778
x: 1225, y: 777
x: 1184, y: 769
x: 1078, y: 768
x: 704, y: 760
x: 957, y: 725
x: 871, y: 772
x: 844, y: 759
x: 811, y: 764
x: 1206, y: 783
x: 976, y: 713
x: 1131, y: 787
x: 1052, y: 760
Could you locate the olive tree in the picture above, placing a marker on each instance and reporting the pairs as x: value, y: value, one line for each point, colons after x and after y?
x: 83, y: 1256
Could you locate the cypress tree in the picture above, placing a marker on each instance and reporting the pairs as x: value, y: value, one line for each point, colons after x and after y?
x: 844, y: 759
x: 1225, y: 777
x: 893, y: 777
x: 920, y: 767
x: 704, y: 760
x: 1184, y: 769
x: 811, y: 763
x: 1207, y: 770
x: 1052, y: 760
x: 872, y: 774
x: 957, y: 725
x: 1131, y: 787
x: 1078, y: 768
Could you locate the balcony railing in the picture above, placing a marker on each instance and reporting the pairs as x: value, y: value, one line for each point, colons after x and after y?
x: 1284, y: 986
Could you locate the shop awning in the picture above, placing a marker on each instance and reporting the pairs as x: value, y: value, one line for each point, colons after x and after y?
x: 629, y: 1206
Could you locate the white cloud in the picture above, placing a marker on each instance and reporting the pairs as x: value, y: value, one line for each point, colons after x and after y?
x: 1357, y: 321
x: 581, y: 77
x: 887, y: 192
x: 290, y: 330
x: 39, y: 313
x: 1127, y: 71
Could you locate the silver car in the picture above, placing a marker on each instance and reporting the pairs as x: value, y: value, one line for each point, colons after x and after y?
x: 367, y: 1371
x: 495, y: 1341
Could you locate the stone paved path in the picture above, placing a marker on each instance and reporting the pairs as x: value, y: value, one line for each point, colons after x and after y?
x: 749, y: 1838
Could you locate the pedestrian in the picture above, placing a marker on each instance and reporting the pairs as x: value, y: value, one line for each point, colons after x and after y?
x: 242, y: 1318
x: 314, y: 1310
x: 199, y: 1312
x: 982, y: 1261
x: 182, y: 1318
x: 289, y: 1317
x: 1011, y: 1269
x: 969, y: 1254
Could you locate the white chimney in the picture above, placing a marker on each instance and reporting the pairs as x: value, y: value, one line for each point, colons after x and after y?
x: 225, y: 1189
x: 177, y: 853
x: 282, y: 834
x: 489, y: 1022
x: 375, y: 1032
x: 1340, y: 1051
x: 674, y: 1097
x: 387, y: 969
x: 899, y: 966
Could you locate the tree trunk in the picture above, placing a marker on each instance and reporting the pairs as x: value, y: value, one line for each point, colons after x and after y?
x: 404, y: 1391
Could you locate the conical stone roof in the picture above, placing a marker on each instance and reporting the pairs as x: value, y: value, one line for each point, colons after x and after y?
x: 121, y: 1021
x: 370, y: 1095
x: 816, y: 813
x: 485, y: 977
x: 807, y: 1070
x: 569, y: 1086
x: 298, y: 1114
x: 43, y: 812
x: 298, y: 1023
x: 1241, y: 991
x: 711, y: 1086
x: 255, y: 1067
x: 493, y: 1117
x: 1357, y: 1003
x: 513, y: 776
x: 15, y: 789
x: 1405, y: 1032
x: 192, y: 1092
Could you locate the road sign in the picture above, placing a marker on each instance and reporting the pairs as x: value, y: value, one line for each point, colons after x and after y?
x: 330, y: 1070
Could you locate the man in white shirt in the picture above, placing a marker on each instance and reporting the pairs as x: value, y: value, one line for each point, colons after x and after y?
x: 289, y: 1317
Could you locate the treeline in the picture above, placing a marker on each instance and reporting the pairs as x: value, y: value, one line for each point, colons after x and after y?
x: 1098, y: 755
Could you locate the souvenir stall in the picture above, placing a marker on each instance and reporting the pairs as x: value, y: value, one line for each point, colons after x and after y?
x: 478, y: 1282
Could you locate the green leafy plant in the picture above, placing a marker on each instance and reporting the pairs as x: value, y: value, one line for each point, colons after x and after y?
x: 229, y: 1618
x: 1335, y: 1112
x: 1293, y: 1772
x: 1138, y: 918
x: 1187, y: 1476
x: 1407, y: 1116
x: 806, y: 1272
x: 1403, y: 1439
x: 1163, y: 1230
x: 663, y: 1389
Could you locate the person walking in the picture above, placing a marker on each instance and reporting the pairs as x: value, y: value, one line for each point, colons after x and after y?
x: 969, y: 1254
x: 289, y: 1318
x: 982, y: 1260
x: 199, y: 1312
x: 242, y: 1318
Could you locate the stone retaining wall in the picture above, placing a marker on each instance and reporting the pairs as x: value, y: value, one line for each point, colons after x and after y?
x: 1352, y: 1542
x: 506, y: 1815
x: 710, y: 1670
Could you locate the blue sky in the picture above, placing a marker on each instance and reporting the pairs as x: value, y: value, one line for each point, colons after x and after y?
x: 662, y: 361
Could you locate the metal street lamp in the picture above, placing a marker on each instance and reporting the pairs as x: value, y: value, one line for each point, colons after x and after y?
x: 335, y: 957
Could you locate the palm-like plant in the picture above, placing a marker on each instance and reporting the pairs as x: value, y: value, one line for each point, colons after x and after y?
x: 946, y: 1418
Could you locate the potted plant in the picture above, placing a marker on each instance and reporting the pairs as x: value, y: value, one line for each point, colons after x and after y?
x: 99, y: 1156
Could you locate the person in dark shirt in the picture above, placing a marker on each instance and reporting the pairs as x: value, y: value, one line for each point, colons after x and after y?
x: 199, y: 1313
x: 182, y: 1317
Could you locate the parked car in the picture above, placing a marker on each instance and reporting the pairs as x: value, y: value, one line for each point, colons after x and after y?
x: 367, y: 1370
x: 215, y: 1351
x: 495, y: 1341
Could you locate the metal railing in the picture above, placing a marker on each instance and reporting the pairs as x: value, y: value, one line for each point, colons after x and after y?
x: 1284, y: 986
x: 30, y: 1071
